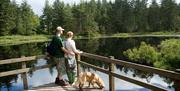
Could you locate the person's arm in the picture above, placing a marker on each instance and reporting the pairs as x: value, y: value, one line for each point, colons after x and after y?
x: 65, y: 50
x: 62, y: 47
x: 74, y: 48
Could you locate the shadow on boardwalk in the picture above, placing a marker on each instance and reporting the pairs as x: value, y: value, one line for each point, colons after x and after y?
x: 54, y: 87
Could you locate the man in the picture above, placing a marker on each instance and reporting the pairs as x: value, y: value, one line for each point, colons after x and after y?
x: 58, y: 56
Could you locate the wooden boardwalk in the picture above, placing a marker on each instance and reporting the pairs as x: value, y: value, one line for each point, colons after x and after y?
x: 54, y: 87
x: 174, y: 76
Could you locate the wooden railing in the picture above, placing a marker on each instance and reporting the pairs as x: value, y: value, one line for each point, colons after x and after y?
x: 170, y: 74
x: 23, y: 69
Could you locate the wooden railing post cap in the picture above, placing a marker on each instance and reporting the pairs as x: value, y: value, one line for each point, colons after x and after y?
x: 177, y: 70
x: 111, y: 57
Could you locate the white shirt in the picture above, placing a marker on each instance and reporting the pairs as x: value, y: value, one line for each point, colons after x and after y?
x: 71, y: 47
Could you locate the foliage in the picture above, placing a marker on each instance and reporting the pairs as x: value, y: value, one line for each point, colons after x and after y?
x: 167, y: 57
x: 145, y: 54
x: 154, y: 17
x: 5, y: 17
x: 17, y: 19
x: 170, y: 58
x: 168, y: 14
x: 90, y: 18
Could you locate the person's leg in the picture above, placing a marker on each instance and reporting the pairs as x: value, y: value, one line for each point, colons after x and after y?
x: 71, y: 69
x: 74, y: 70
x: 60, y: 66
x: 68, y: 70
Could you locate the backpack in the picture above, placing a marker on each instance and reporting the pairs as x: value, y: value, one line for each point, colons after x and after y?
x: 50, y: 49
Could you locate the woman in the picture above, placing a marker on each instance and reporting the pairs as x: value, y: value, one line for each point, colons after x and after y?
x: 71, y: 66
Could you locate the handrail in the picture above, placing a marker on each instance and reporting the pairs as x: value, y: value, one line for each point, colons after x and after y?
x: 170, y: 74
x: 18, y: 60
x: 24, y: 69
x: 124, y: 77
x: 167, y: 73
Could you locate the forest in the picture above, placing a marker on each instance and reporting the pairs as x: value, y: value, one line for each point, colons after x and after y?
x: 90, y: 18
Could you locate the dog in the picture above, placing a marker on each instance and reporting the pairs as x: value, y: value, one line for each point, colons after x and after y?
x: 90, y: 77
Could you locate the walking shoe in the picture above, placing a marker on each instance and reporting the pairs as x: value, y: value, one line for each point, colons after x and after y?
x: 57, y: 81
x: 62, y: 82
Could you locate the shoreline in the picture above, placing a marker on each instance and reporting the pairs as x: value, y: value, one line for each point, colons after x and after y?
x: 21, y: 39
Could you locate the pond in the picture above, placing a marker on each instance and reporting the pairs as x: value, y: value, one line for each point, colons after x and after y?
x: 100, y: 46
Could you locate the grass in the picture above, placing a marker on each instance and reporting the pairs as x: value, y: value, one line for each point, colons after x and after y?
x: 21, y: 39
x: 144, y: 34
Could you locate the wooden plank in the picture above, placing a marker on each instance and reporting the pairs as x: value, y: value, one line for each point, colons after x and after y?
x: 19, y: 71
x: 54, y: 87
x: 13, y: 72
x: 146, y: 85
x: 166, y: 73
x: 17, y: 60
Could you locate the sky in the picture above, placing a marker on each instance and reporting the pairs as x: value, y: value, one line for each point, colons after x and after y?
x: 37, y: 5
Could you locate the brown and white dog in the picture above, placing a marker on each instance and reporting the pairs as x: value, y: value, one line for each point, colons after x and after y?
x: 92, y: 78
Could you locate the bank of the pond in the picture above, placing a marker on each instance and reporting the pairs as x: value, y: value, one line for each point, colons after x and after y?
x: 20, y: 39
x: 147, y: 34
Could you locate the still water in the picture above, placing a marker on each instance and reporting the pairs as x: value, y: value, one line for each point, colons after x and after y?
x: 102, y: 46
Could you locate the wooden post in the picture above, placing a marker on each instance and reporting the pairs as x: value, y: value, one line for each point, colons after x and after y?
x: 177, y: 85
x: 177, y: 82
x: 78, y: 64
x: 24, y: 76
x: 111, y: 78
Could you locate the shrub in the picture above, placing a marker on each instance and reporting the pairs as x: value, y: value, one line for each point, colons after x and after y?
x: 145, y: 54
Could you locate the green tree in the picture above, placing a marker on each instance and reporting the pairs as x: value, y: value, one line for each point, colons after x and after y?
x: 140, y: 15
x: 6, y: 17
x: 168, y: 15
x: 122, y: 16
x: 47, y: 17
x: 154, y: 17
x: 58, y: 14
x: 102, y: 17
x: 84, y: 14
x: 117, y: 16
x: 78, y: 14
x: 90, y: 26
x: 27, y: 16
x: 69, y: 20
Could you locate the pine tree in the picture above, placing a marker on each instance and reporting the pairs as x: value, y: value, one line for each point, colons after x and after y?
x: 90, y: 26
x: 168, y: 15
x: 27, y: 18
x: 102, y: 17
x: 140, y: 15
x: 154, y: 17
x: 69, y: 20
x: 58, y: 14
x: 47, y: 17
x: 5, y: 17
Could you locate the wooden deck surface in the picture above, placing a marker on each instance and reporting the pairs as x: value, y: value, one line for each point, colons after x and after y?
x: 54, y: 87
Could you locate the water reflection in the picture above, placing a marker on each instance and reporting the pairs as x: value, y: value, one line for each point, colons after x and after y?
x: 105, y: 47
